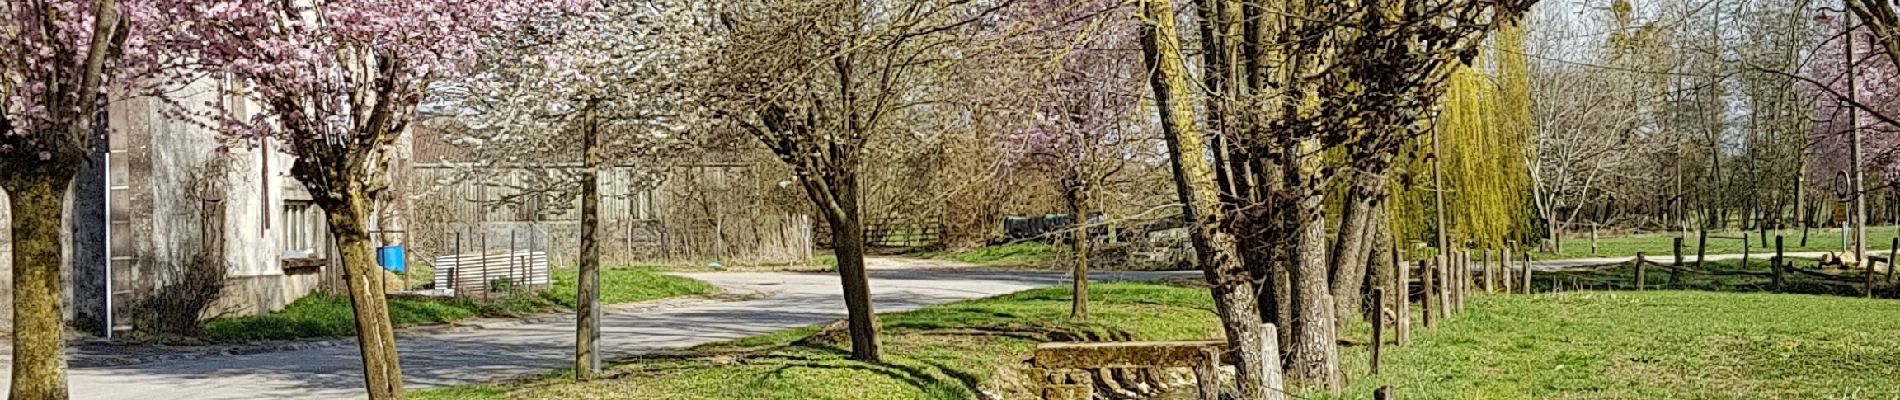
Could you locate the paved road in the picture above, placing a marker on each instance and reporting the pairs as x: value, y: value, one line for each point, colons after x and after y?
x: 436, y: 359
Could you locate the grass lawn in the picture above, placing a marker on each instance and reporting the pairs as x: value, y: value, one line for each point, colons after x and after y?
x: 1648, y: 345
x: 1658, y: 244
x: 1021, y: 254
x: 626, y: 285
x: 1718, y: 276
x: 1577, y: 345
x: 945, y: 352
x: 323, y: 315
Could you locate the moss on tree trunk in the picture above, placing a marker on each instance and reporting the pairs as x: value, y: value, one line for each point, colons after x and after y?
x: 376, y: 338
x: 39, y: 361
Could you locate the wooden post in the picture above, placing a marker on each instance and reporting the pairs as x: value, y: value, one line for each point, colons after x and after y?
x: 1674, y: 265
x: 1509, y: 275
x: 1744, y: 264
x: 1464, y: 281
x: 1378, y: 329
x: 1438, y: 276
x: 1504, y: 268
x: 1776, y: 264
x: 1527, y: 272
x: 1270, y: 346
x: 1402, y: 299
x: 1490, y: 281
x: 1427, y: 295
x: 1701, y: 255
x: 1893, y: 254
x: 1639, y: 269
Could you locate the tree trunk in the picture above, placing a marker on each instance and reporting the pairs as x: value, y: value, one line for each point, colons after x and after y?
x: 1315, y: 347
x: 39, y: 353
x: 382, y: 370
x: 1216, y: 249
x: 847, y: 241
x: 587, y: 290
x: 1077, y: 198
x: 1350, y: 251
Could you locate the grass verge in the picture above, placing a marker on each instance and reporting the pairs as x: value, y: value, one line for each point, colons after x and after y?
x: 1577, y: 345
x: 325, y: 315
x: 1647, y: 345
x: 1724, y: 242
x: 951, y: 351
x: 1021, y: 254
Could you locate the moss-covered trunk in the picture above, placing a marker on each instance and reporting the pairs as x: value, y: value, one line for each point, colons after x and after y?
x: 1216, y: 248
x: 39, y: 355
x: 348, y: 212
x: 1315, y: 353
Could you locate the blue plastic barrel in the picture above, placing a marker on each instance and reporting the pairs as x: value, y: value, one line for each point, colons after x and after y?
x: 391, y: 258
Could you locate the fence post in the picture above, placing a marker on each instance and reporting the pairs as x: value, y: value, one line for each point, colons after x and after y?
x: 1677, y: 265
x: 1639, y: 269
x: 1527, y: 272
x: 455, y: 273
x: 1402, y: 288
x: 1378, y: 328
x: 1425, y: 295
x: 1443, y: 284
x: 1510, y: 280
x: 1744, y: 264
x: 1490, y: 281
x: 1776, y: 264
x: 1270, y: 346
x: 1701, y: 255
x: 1461, y: 267
x: 1893, y: 254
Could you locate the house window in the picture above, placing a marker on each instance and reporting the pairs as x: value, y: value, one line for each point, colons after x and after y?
x: 303, y: 233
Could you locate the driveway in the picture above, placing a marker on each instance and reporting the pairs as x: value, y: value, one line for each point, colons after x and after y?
x: 784, y: 300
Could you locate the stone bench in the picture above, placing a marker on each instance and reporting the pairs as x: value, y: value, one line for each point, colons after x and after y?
x: 1063, y: 366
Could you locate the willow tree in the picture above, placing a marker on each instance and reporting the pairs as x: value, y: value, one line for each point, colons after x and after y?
x: 1485, y: 143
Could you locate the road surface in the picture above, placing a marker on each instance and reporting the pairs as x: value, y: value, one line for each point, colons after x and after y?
x: 782, y: 300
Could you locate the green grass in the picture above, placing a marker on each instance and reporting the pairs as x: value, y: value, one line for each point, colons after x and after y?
x: 324, y: 315
x: 1574, y: 345
x: 1021, y: 254
x: 1658, y: 244
x: 1716, y: 276
x: 945, y: 352
x: 1648, y: 345
x: 626, y: 285
x: 327, y: 315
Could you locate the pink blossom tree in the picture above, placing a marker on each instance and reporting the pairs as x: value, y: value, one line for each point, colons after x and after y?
x: 337, y: 81
x: 57, y: 62
x: 1873, y: 97
x: 1070, y: 111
